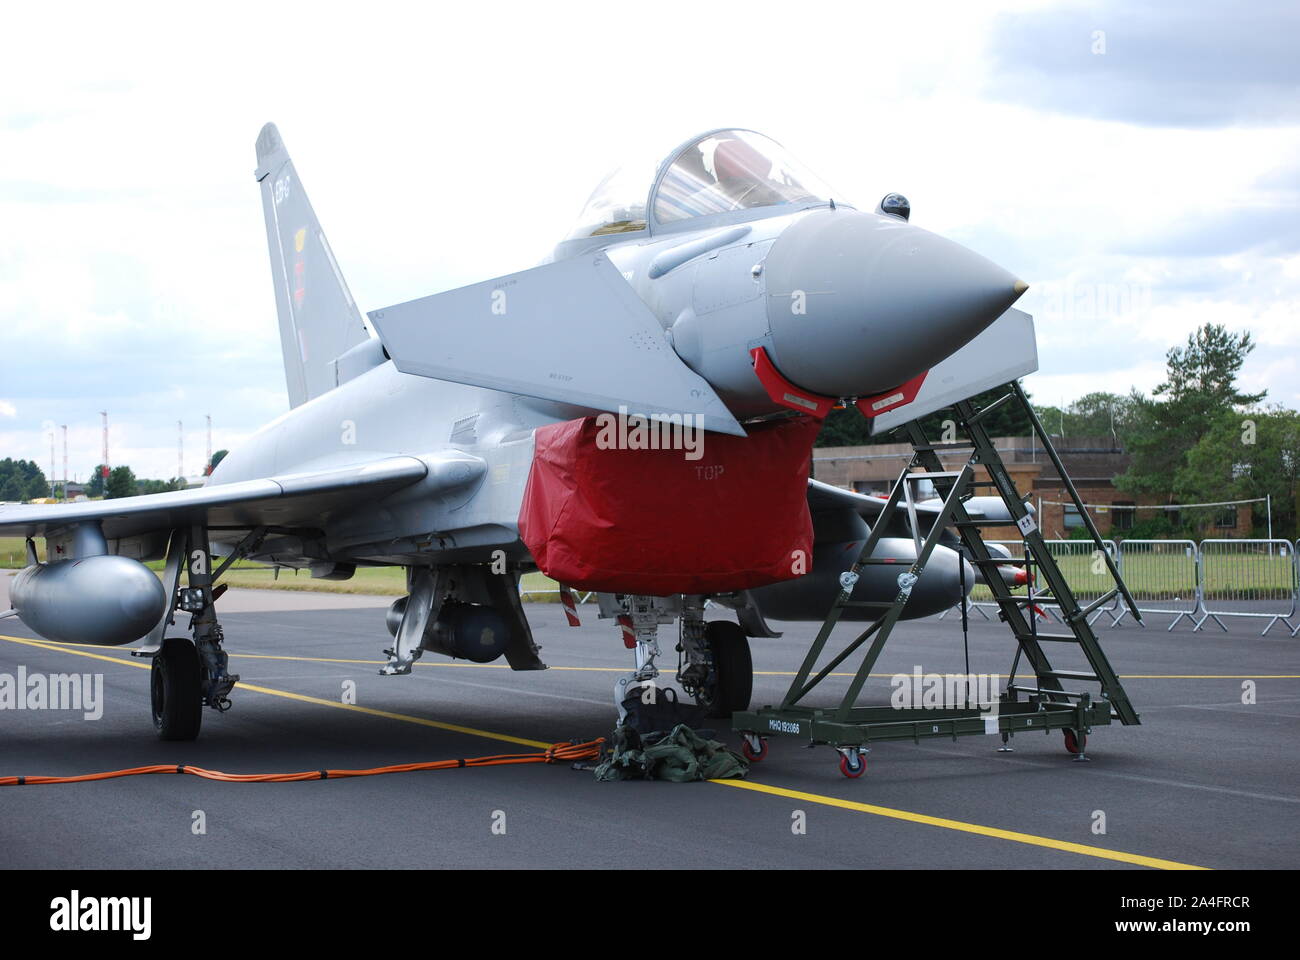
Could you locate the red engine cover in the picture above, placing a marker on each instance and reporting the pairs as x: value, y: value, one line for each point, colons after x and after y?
x: 653, y: 522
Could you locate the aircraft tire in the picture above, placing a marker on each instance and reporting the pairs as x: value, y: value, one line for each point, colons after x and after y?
x: 175, y: 690
x: 733, y: 668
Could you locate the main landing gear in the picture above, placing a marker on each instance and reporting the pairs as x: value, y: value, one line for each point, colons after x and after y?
x: 176, y: 690
x: 188, y: 674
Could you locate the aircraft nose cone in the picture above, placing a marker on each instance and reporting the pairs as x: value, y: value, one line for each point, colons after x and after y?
x: 859, y: 303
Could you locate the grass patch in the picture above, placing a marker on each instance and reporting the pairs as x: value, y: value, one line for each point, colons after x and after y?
x: 372, y: 581
x: 376, y: 581
x: 13, y: 552
x: 1154, y: 577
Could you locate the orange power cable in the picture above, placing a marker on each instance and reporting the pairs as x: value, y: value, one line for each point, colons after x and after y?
x: 557, y: 753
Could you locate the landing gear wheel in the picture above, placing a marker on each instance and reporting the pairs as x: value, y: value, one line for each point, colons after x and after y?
x: 853, y: 765
x: 733, y: 669
x: 1075, y: 744
x: 752, y: 755
x: 176, y: 691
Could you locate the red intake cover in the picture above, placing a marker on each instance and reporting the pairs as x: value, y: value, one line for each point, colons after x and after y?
x: 653, y: 522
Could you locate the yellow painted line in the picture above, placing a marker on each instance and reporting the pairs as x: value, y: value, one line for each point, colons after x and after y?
x: 1206, y: 676
x: 303, y: 698
x: 890, y: 812
x: 975, y: 828
x: 389, y: 715
x: 758, y: 673
x: 63, y: 648
x: 623, y: 669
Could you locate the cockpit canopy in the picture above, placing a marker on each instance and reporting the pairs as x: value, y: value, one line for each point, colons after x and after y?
x: 720, y: 172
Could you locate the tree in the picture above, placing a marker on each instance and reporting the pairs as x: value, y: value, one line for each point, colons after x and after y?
x: 159, y: 486
x: 22, y: 480
x: 1200, y: 387
x: 845, y: 428
x: 848, y: 427
x: 11, y: 489
x: 95, y: 486
x: 1097, y: 414
x: 1244, y: 456
x: 1008, y: 420
x: 1202, y: 376
x: 121, y: 483
x: 37, y: 486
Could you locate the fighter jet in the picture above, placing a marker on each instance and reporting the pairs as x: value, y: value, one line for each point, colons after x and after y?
x: 635, y: 417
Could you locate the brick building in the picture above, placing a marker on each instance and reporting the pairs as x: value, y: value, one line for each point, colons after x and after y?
x: 1091, y: 462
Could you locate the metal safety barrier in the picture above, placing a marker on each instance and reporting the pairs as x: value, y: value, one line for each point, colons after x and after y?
x: 1086, y: 572
x: 1248, y: 578
x: 1087, y: 575
x: 1257, y: 579
x: 1296, y: 629
x: 1163, y: 576
x: 980, y: 604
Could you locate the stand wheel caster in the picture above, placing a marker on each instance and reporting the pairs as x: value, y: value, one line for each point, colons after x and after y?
x: 753, y: 754
x: 853, y: 764
x: 1074, y: 744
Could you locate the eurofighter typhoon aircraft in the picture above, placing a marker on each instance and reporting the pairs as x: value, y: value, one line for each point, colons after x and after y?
x: 633, y: 417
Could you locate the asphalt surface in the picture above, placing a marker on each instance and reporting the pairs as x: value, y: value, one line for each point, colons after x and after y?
x: 1206, y: 780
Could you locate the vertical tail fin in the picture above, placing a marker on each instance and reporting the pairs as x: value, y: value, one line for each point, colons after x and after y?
x: 319, y: 321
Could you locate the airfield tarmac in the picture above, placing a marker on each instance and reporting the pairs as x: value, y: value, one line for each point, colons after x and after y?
x: 1205, y: 781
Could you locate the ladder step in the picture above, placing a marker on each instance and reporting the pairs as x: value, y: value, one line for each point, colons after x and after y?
x: 1036, y: 600
x: 942, y: 475
x: 891, y: 561
x: 981, y: 414
x: 1052, y: 637
x: 1099, y: 602
x: 880, y: 604
x: 943, y: 446
x: 1070, y: 675
x: 1059, y: 693
x: 984, y: 523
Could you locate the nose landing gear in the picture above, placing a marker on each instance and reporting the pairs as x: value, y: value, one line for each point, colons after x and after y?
x: 730, y: 683
x: 716, y: 668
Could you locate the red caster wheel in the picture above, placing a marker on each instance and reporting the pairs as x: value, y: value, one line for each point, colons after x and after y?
x: 752, y: 755
x: 1074, y: 745
x: 853, y: 765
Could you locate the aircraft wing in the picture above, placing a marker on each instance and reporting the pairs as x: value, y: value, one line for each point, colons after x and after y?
x: 573, y: 331
x: 823, y: 496
x: 283, y: 501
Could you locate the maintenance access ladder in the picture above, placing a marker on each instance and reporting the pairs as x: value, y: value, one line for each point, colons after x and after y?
x: 1048, y: 704
x: 1014, y: 609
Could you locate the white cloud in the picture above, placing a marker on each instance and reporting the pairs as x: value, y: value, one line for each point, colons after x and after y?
x: 442, y: 147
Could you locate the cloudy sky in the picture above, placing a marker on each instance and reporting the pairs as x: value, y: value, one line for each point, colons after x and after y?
x: 1139, y: 166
